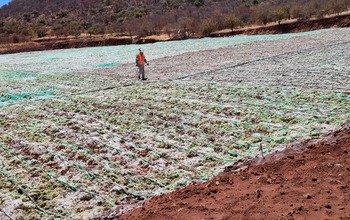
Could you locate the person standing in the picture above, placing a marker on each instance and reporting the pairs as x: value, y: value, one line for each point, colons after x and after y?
x: 140, y: 63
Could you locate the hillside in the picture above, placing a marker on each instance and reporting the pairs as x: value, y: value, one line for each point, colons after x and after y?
x: 309, y: 181
x: 22, y: 20
x: 82, y: 138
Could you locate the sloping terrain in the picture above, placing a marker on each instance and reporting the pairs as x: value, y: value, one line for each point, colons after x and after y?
x: 55, y: 43
x: 306, y: 181
x: 317, y: 60
x: 80, y: 137
x: 25, y: 20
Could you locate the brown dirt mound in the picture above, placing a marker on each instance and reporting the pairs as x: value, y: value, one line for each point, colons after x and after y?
x: 310, y: 180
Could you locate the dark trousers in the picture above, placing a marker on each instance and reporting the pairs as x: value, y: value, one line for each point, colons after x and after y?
x: 142, y: 72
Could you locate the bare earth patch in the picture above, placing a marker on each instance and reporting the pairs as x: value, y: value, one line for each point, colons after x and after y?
x: 310, y: 180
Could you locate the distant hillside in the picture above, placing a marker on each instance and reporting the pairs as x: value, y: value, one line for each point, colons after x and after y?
x: 22, y: 20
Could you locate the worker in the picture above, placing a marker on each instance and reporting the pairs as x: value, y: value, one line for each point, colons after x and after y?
x: 140, y: 63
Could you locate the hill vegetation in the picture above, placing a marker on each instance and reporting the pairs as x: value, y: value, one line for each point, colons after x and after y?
x: 22, y: 20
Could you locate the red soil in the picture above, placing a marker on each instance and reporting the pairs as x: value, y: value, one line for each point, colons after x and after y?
x: 310, y: 180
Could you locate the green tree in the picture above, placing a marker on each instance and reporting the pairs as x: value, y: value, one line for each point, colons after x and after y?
x: 232, y: 22
x: 279, y: 14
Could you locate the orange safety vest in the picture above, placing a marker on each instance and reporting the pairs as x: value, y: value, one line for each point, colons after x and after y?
x: 141, y: 59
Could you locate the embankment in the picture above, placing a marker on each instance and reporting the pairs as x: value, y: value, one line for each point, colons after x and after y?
x: 307, y: 181
x: 66, y: 43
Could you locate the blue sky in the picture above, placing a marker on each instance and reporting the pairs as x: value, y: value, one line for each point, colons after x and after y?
x: 3, y: 2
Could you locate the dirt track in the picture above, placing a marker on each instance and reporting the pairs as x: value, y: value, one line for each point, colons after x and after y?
x: 294, y: 184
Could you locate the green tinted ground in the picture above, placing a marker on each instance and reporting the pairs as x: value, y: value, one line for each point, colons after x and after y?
x: 98, y: 150
x: 76, y: 143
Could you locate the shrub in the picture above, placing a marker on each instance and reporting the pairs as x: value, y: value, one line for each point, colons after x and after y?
x: 208, y: 26
x: 279, y: 14
x: 232, y: 22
